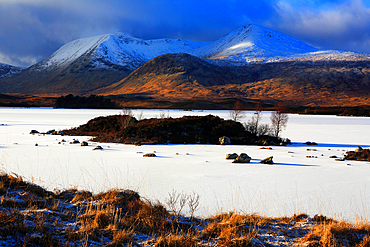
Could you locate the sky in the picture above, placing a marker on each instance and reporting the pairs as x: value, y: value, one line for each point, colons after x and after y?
x: 31, y: 30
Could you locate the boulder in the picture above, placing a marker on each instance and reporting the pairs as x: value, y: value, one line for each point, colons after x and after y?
x: 34, y: 132
x: 231, y: 156
x: 243, y: 158
x: 98, y: 148
x: 149, y: 155
x: 51, y: 132
x: 359, y: 149
x: 84, y: 144
x: 310, y: 143
x: 224, y: 140
x: 267, y: 160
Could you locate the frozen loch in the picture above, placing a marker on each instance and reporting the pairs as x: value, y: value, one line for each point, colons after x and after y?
x: 294, y: 184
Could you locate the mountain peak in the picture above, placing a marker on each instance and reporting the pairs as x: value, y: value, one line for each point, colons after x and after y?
x: 253, y: 43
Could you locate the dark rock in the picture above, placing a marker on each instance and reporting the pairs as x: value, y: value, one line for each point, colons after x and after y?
x: 267, y: 160
x: 359, y: 149
x: 224, y: 140
x: 231, y: 156
x: 84, y: 144
x: 98, y: 148
x: 149, y: 155
x: 310, y: 143
x: 34, y: 132
x: 242, y: 158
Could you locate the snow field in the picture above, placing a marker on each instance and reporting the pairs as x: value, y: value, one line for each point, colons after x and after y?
x: 295, y: 184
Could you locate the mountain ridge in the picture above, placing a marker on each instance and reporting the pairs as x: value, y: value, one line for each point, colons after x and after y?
x: 242, y: 64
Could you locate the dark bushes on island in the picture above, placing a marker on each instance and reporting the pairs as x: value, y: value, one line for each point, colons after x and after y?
x: 93, y: 101
x: 185, y: 130
x: 359, y: 155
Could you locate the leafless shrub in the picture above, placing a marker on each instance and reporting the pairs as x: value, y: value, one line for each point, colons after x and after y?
x: 176, y: 202
x: 126, y: 118
x: 193, y: 203
x: 279, y: 119
x: 237, y: 112
x: 127, y: 112
x: 163, y: 115
x: 172, y: 200
x: 140, y: 116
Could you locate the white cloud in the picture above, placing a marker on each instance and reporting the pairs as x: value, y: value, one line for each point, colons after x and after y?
x: 345, y: 26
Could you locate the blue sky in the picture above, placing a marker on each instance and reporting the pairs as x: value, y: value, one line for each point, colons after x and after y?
x: 31, y: 30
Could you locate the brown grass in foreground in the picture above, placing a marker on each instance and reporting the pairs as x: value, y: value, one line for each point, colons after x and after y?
x: 32, y: 216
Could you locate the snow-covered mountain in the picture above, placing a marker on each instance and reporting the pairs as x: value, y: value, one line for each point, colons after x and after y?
x: 115, y: 49
x: 7, y: 70
x: 253, y: 43
x: 110, y: 62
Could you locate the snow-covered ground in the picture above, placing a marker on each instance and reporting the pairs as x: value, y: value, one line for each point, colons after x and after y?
x: 294, y: 184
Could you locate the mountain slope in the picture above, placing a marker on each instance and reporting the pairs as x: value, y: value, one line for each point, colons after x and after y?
x: 252, y: 62
x: 182, y: 76
x: 253, y: 43
x: 7, y: 70
x: 175, y: 76
x: 84, y: 65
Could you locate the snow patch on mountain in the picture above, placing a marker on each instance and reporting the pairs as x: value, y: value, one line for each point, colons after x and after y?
x: 253, y: 43
x: 71, y: 51
x: 7, y: 70
x: 124, y: 50
x: 116, y: 49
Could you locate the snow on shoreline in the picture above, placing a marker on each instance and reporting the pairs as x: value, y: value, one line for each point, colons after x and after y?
x: 294, y: 184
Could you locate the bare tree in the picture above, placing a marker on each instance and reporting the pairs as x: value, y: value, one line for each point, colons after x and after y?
x: 127, y: 112
x: 237, y: 112
x: 279, y: 119
x: 256, y: 118
x: 140, y: 116
x: 193, y: 203
x: 126, y: 118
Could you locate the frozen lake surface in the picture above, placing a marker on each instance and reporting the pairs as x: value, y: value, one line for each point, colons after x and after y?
x: 295, y: 184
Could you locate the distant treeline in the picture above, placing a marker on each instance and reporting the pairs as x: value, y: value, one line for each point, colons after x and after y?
x: 359, y: 111
x: 93, y: 101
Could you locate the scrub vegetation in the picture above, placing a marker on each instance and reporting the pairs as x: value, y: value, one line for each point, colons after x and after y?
x: 33, y: 216
x: 125, y: 128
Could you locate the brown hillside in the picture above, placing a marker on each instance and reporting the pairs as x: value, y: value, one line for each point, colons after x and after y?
x: 181, y: 76
x: 176, y: 76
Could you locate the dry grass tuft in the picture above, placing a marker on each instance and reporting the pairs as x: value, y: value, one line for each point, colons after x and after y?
x: 338, y: 234
x: 16, y: 182
x: 233, y: 229
x: 118, y: 197
x: 122, y: 237
x: 173, y: 240
x: 151, y: 218
x: 81, y: 196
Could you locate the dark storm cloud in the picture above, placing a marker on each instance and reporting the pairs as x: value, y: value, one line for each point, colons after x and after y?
x: 32, y: 30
